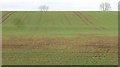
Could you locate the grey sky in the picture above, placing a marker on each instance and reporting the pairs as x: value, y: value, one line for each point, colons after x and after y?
x: 55, y: 5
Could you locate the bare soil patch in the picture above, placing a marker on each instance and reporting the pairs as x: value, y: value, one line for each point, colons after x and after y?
x: 97, y: 42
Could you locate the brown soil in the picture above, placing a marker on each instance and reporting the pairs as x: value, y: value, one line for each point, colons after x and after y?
x: 98, y: 42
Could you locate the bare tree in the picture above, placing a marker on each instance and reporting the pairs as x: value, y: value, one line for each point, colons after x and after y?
x: 119, y: 6
x: 105, y: 6
x: 44, y: 8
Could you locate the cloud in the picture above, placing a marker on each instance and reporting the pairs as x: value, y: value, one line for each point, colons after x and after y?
x: 59, y: 5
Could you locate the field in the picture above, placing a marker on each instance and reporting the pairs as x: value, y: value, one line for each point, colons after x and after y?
x: 66, y: 38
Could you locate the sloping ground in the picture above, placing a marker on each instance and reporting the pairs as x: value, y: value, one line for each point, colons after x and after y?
x: 60, y: 23
x: 89, y: 21
x: 60, y: 38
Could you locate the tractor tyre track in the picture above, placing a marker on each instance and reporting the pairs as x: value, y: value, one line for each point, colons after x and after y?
x: 87, y: 21
x: 6, y: 16
x: 93, y: 22
x: 81, y: 18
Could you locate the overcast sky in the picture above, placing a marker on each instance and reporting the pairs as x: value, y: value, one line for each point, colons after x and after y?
x: 55, y: 5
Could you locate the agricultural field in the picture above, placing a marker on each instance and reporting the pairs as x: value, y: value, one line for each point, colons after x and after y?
x: 60, y: 38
